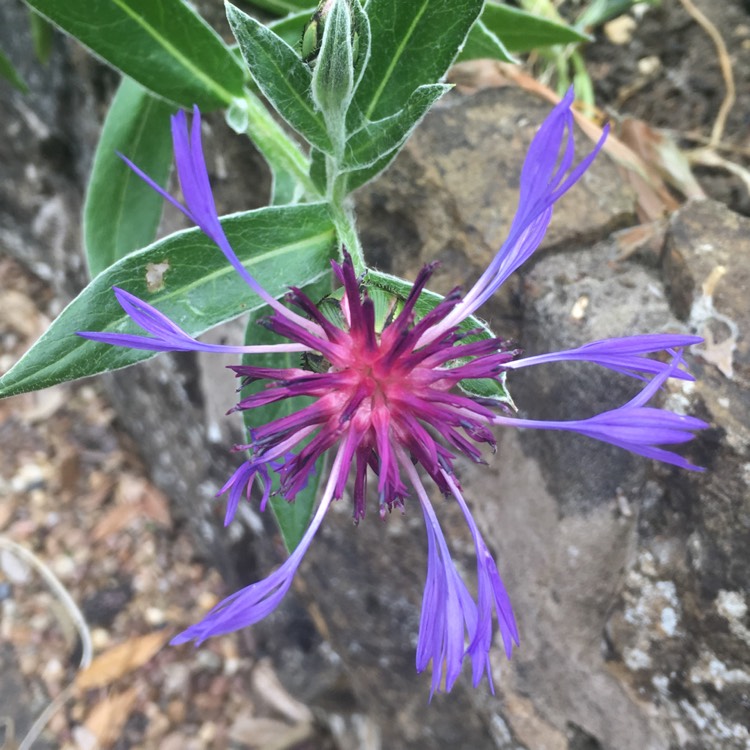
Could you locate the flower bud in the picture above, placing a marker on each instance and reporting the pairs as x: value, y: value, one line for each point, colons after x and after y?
x: 334, y: 56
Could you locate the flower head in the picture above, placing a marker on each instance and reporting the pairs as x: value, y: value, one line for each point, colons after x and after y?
x: 384, y: 399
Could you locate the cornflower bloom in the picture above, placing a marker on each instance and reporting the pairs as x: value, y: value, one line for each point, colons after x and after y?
x: 387, y: 400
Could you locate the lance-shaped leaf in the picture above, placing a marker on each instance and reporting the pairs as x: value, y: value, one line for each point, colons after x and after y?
x: 290, y: 28
x: 293, y: 517
x: 10, y: 74
x: 41, y: 36
x: 318, y: 170
x: 358, y: 177
x: 282, y: 7
x: 483, y: 43
x: 188, y: 279
x: 376, y: 139
x: 121, y: 213
x: 484, y: 387
x: 163, y: 44
x: 414, y: 43
x: 521, y: 31
x: 281, y: 75
x: 286, y: 160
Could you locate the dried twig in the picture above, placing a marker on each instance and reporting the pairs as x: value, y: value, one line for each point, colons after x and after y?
x: 76, y: 617
x: 726, y: 70
x: 9, y: 743
x: 730, y: 148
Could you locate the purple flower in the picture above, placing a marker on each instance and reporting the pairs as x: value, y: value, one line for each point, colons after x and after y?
x: 386, y: 400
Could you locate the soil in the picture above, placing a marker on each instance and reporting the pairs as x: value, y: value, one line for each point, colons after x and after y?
x: 76, y: 495
x: 669, y: 75
x: 75, y: 492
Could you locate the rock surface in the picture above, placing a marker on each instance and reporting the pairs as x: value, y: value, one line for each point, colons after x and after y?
x: 629, y: 580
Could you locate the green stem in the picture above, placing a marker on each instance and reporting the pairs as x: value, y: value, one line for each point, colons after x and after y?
x: 281, y: 153
x: 582, y: 80
x: 342, y: 213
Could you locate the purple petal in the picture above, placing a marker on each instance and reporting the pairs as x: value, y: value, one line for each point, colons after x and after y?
x: 153, y: 184
x: 544, y: 179
x: 251, y: 604
x: 130, y: 341
x: 491, y: 596
x: 632, y: 426
x: 625, y: 355
x: 241, y: 482
x: 148, y: 317
x: 167, y: 336
x: 200, y: 205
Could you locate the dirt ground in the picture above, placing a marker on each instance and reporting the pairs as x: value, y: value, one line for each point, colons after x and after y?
x: 76, y: 497
x: 669, y: 74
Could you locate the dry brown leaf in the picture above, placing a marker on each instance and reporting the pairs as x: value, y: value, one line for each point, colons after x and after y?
x: 7, y: 511
x: 134, y: 498
x: 46, y: 404
x: 129, y: 489
x: 654, y: 199
x: 155, y: 506
x: 114, y: 520
x: 646, y: 239
x: 19, y: 313
x: 121, y: 659
x: 475, y: 75
x: 267, y: 684
x: 660, y: 155
x: 267, y: 734
x: 108, y: 717
x: 720, y: 354
x: 101, y: 488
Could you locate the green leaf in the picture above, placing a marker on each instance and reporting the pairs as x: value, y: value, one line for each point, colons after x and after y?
x: 292, y: 517
x: 289, y: 166
x: 162, y: 44
x: 283, y: 155
x: 122, y: 212
x: 290, y: 28
x: 359, y: 177
x: 521, y: 31
x: 414, y: 43
x: 281, y: 7
x: 188, y: 279
x: 284, y: 189
x: 481, y: 387
x: 42, y: 35
x: 482, y: 43
x: 598, y: 12
x: 318, y: 170
x: 281, y: 75
x: 376, y: 139
x: 10, y: 74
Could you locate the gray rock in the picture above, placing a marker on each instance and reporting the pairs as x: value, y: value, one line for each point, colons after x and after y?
x: 452, y: 192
